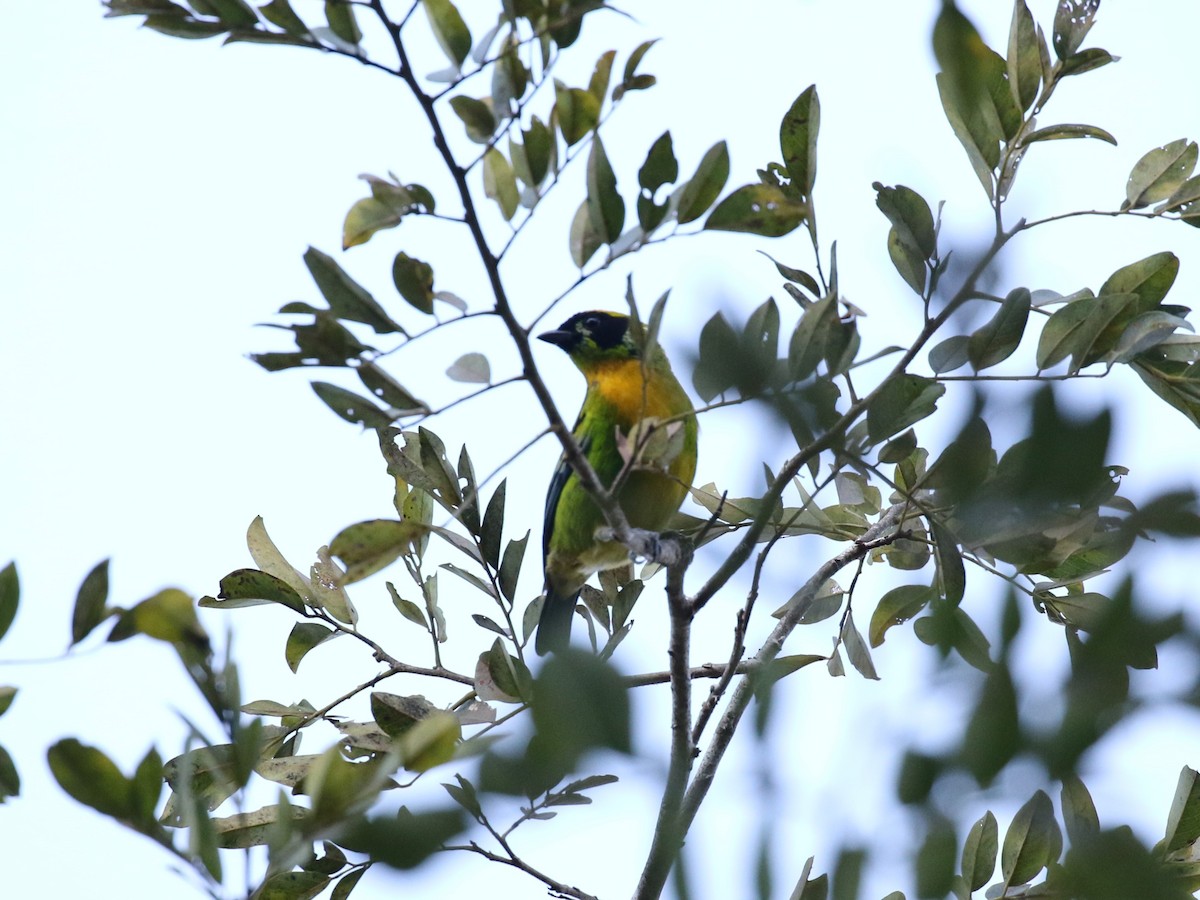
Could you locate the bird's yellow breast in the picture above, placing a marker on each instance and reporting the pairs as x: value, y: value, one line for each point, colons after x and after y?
x: 634, y: 393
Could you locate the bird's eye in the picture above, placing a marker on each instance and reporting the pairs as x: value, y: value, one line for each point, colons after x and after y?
x: 591, y: 323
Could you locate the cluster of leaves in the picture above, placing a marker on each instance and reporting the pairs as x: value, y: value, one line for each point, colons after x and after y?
x: 1043, y: 514
x: 1100, y: 862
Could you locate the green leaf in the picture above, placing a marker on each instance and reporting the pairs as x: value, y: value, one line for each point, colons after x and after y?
x: 395, y: 714
x: 908, y: 262
x: 292, y: 885
x: 347, y: 883
x: 910, y: 217
x: 1175, y: 382
x: 950, y: 354
x: 414, y: 281
x: 1068, y: 132
x: 950, y: 569
x: 630, y: 80
x: 798, y: 141
x: 10, y: 597
x: 605, y: 207
x: 347, y: 299
x: 699, y: 193
x: 598, y: 84
x: 280, y: 14
x: 188, y: 29
x: 1161, y: 172
x: 975, y: 93
x: 449, y: 29
x: 388, y: 204
x: 1078, y: 330
x: 251, y: 587
x: 539, y: 141
x: 1183, y: 822
x: 1079, y: 812
x: 499, y: 182
x: 998, y: 339
x: 660, y: 166
x: 304, y: 637
x: 898, y: 606
x: 980, y: 849
x: 384, y: 387
x: 477, y: 116
x: 90, y: 603
x: 758, y: 209
x: 577, y: 110
x: 1024, y: 57
x: 350, y: 406
x: 1150, y: 278
x: 903, y: 401
x: 7, y: 695
x: 856, y: 649
x: 367, y: 547
x: 1032, y: 841
x: 406, y: 840
x: 10, y: 779
x: 91, y: 778
x: 1072, y: 21
x: 1086, y: 61
x: 570, y: 728
x: 584, y: 239
x: 342, y: 22
x: 510, y: 567
x: 235, y: 13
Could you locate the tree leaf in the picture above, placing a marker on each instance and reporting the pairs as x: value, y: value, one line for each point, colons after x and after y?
x: 1024, y: 60
x: 998, y: 339
x: 950, y: 354
x: 350, y: 406
x: 1183, y: 822
x: 414, y: 280
x: 91, y: 778
x: 903, y: 401
x: 1159, y: 173
x: 252, y: 587
x: 630, y: 80
x: 472, y: 368
x: 1072, y: 21
x: 1032, y: 841
x: 758, y: 209
x: 598, y: 83
x: 1077, y: 330
x: 605, y: 207
x: 347, y: 298
x: 1068, y: 132
x: 366, y: 547
x: 10, y: 597
x: 910, y: 216
x: 477, y: 116
x: 510, y: 567
x: 798, y: 141
x: 1079, y: 812
x: 305, y: 636
x: 342, y: 21
x: 577, y: 110
x: 499, y: 182
x: 979, y: 851
x: 1150, y: 278
x: 90, y: 603
x: 449, y: 29
x: 856, y: 649
x: 281, y: 14
x: 584, y: 239
x: 699, y: 193
x: 896, y: 607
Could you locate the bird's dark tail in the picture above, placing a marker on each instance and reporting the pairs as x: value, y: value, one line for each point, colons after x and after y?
x: 554, y: 628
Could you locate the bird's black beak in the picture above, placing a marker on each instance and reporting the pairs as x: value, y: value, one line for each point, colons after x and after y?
x: 565, y: 340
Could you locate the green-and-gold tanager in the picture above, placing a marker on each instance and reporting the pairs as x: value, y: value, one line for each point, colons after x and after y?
x: 623, y: 390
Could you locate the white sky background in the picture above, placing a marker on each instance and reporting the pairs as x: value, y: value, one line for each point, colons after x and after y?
x: 155, y: 199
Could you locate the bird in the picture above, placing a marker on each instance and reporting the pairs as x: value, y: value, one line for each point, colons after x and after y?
x: 628, y: 394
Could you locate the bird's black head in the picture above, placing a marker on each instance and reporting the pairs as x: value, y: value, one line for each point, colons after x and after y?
x: 594, y: 334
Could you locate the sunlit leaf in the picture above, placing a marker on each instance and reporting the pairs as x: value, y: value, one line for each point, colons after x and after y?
x: 757, y: 209
x: 1158, y: 174
x: 798, y: 132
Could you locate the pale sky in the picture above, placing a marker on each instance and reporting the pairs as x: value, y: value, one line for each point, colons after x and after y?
x: 157, y: 196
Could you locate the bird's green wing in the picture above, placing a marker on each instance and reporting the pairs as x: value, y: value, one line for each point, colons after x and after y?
x: 559, y: 480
